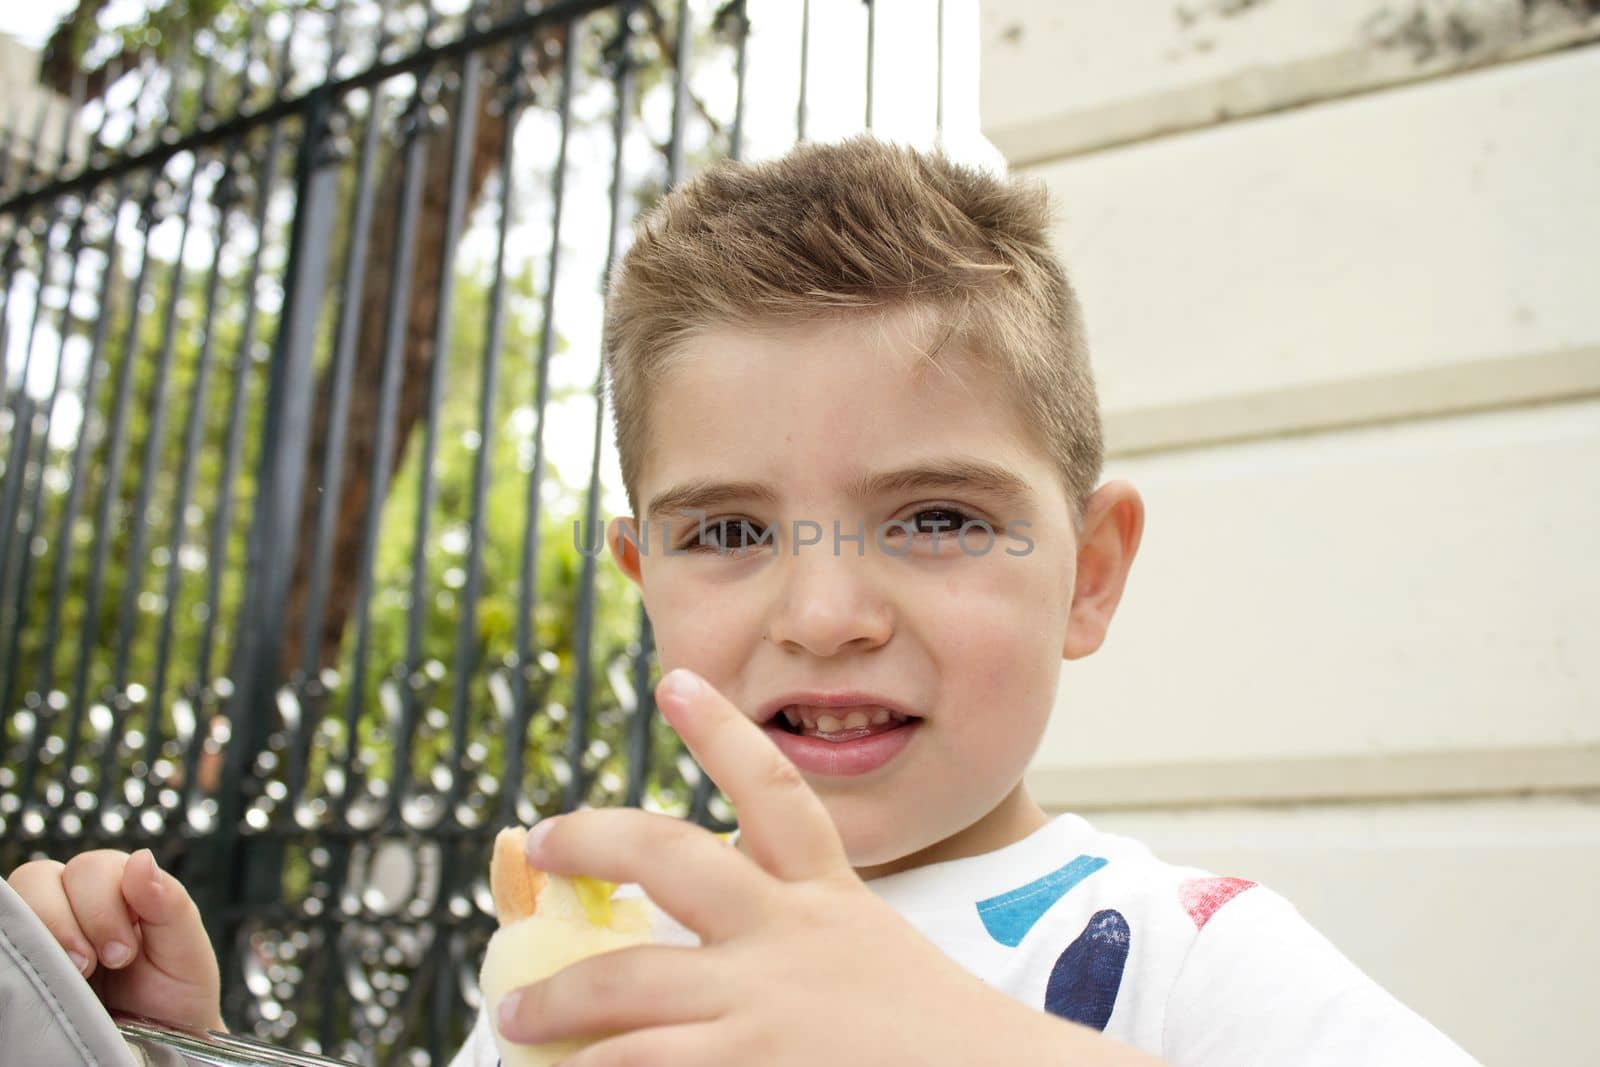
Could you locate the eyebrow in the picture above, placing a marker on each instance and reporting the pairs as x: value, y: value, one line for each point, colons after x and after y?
x: 954, y: 472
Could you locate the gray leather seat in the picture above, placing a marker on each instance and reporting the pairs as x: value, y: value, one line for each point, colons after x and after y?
x: 48, y: 1013
x: 49, y: 1017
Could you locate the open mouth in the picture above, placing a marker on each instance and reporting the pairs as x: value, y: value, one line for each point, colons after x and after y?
x: 839, y: 724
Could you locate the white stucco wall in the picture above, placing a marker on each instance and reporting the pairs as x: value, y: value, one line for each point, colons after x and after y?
x: 1339, y: 269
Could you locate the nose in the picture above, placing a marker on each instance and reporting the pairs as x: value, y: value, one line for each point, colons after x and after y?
x: 828, y: 602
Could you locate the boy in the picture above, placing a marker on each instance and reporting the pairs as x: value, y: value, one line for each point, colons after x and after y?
x: 860, y: 441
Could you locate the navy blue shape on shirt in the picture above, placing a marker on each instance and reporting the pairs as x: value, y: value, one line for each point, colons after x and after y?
x: 1084, y: 982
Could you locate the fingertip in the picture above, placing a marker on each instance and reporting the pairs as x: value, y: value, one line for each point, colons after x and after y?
x: 142, y: 884
x: 681, y: 685
x: 508, y: 1020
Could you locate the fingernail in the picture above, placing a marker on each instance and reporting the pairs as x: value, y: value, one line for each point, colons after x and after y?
x: 508, y: 1014
x: 116, y: 954
x: 536, y: 834
x: 681, y: 684
x: 80, y: 961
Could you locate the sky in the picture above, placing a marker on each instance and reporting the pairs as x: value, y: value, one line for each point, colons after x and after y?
x: 32, y: 21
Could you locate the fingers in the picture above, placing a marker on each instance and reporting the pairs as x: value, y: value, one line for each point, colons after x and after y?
x: 100, y: 900
x: 690, y: 1045
x: 651, y: 985
x: 782, y: 822
x: 39, y: 885
x: 688, y: 871
x: 93, y: 884
x: 175, y: 938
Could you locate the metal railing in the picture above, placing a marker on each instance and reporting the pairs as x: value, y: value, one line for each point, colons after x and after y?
x: 286, y: 593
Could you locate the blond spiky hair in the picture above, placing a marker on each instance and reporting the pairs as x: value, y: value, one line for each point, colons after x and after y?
x: 858, y: 228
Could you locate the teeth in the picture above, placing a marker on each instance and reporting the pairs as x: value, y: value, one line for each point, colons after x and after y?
x: 821, y: 720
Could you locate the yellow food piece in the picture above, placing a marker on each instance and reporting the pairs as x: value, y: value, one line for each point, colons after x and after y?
x: 595, y: 896
x: 548, y: 922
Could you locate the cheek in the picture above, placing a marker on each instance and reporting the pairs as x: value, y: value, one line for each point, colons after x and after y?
x: 704, y: 631
x: 1002, y: 646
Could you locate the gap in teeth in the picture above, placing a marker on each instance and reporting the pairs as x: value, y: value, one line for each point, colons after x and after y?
x: 823, y: 720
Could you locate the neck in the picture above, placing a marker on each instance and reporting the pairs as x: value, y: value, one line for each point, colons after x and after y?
x: 1012, y: 819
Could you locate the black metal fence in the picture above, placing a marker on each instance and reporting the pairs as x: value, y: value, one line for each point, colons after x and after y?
x: 290, y: 581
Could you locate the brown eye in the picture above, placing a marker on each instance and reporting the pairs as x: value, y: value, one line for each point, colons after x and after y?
x: 726, y: 536
x: 944, y: 520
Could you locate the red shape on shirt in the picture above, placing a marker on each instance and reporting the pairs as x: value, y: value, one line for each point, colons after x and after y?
x: 1203, y: 896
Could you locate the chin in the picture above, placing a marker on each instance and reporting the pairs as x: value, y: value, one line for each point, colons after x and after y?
x: 875, y: 842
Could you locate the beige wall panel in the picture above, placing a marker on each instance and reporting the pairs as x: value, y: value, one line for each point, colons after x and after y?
x: 1064, y: 78
x: 1422, y: 249
x: 1480, y: 915
x: 1308, y: 614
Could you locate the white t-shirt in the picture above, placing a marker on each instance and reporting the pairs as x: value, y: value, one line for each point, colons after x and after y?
x: 1199, y: 970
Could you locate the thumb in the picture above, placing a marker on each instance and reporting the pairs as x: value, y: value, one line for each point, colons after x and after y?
x: 173, y: 937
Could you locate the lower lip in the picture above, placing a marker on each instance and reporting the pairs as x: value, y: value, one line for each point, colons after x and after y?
x: 842, y: 758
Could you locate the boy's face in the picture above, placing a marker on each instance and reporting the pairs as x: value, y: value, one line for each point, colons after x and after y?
x: 969, y: 639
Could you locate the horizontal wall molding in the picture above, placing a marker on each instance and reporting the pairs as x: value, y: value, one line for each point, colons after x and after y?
x: 1458, y: 388
x: 1479, y: 773
x: 1160, y: 77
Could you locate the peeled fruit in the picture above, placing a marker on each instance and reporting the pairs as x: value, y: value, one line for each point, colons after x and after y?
x: 548, y: 921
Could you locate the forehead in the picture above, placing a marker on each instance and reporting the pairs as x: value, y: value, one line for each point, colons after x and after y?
x: 846, y: 407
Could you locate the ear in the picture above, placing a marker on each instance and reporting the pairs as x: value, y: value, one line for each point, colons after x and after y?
x: 625, y: 550
x: 1113, y: 523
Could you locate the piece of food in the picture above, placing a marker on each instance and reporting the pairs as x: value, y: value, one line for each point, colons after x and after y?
x: 547, y: 922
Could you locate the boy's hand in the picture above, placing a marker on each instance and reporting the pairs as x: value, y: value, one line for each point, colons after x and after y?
x: 132, y: 930
x: 799, y: 964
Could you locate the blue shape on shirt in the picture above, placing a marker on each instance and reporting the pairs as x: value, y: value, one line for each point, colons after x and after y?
x: 1084, y: 982
x: 1009, y: 916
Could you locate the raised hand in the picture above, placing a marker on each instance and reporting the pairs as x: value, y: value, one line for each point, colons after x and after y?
x: 132, y: 930
x: 799, y: 963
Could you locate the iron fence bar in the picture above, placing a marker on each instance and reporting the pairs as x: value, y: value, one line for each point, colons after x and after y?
x: 680, y: 96
x: 623, y: 66
x: 674, y: 177
x: 872, y: 34
x: 347, y: 331
x: 19, y: 428
x: 9, y: 261
x: 514, y: 97
x: 15, y: 255
x: 257, y: 23
x: 281, y: 469
x: 938, y: 75
x: 234, y: 446
x: 35, y: 510
x: 91, y: 372
x: 81, y: 450
x: 224, y: 194
x: 288, y: 106
x: 401, y: 265
x: 14, y: 159
x: 741, y: 31
x: 89, y: 630
x: 16, y: 475
x: 805, y: 69
x: 112, y: 488
x: 156, y: 400
x: 463, y: 138
x: 527, y: 590
x: 311, y: 693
